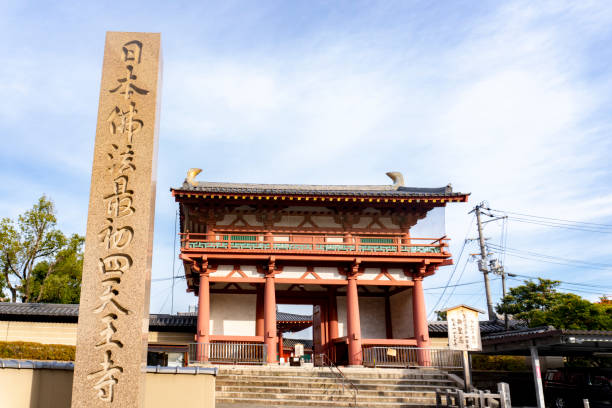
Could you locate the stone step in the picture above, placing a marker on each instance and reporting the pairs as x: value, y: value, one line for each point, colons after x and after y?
x: 297, y: 403
x: 360, y: 387
x: 376, y: 373
x: 327, y: 398
x: 330, y: 390
x: 293, y: 381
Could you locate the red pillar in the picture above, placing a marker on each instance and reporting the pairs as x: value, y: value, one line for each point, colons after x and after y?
x: 421, y: 331
x: 259, y: 312
x: 332, y: 318
x: 270, y: 318
x: 353, y: 323
x: 281, y: 352
x: 333, y: 313
x: 203, y: 334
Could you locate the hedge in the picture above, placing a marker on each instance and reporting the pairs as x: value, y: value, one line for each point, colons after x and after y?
x: 498, y: 363
x: 22, y: 350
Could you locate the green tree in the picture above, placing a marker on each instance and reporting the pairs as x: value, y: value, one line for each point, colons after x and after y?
x: 59, y: 280
x: 33, y: 238
x: 539, y: 304
x: 440, y: 316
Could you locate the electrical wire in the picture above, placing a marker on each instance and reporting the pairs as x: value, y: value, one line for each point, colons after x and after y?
x: 465, y: 241
x: 549, y: 258
x: 553, y: 219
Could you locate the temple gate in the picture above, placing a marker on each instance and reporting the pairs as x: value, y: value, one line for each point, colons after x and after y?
x: 354, y: 252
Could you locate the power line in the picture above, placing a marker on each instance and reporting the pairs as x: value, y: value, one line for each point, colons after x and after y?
x: 455, y: 268
x: 456, y: 282
x: 461, y: 284
x: 553, y: 219
x: 536, y: 256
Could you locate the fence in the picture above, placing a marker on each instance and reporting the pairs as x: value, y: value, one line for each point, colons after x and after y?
x: 314, y: 243
x: 227, y: 353
x: 476, y: 399
x: 407, y: 356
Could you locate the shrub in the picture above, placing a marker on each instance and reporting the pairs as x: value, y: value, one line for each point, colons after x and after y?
x: 36, y: 351
x: 498, y: 363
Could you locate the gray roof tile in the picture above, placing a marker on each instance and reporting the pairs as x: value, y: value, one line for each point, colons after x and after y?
x: 328, y: 190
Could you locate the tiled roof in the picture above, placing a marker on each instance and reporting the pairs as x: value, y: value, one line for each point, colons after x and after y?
x: 291, y: 317
x: 328, y: 190
x: 49, y: 312
x: 40, y: 311
x: 290, y: 343
x: 544, y: 331
x: 486, y: 326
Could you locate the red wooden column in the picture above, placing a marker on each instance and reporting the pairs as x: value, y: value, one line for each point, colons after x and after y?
x: 259, y: 311
x: 332, y: 318
x: 333, y: 313
x: 203, y: 332
x: 352, y: 318
x: 281, y: 352
x: 421, y: 331
x: 270, y: 315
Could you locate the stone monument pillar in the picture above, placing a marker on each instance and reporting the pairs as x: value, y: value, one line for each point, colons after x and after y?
x: 114, y: 311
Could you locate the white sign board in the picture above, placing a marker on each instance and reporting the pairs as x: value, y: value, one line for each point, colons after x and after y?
x: 463, y: 329
x: 299, y: 350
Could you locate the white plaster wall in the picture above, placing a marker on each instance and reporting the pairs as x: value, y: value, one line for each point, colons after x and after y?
x: 250, y: 271
x: 251, y: 219
x: 39, y: 332
x: 325, y: 221
x: 364, y: 221
x: 398, y: 274
x: 341, y: 305
x: 232, y: 315
x: 227, y: 219
x: 401, y: 315
x: 290, y: 221
x: 292, y: 272
x: 369, y: 274
x: 222, y: 270
x: 326, y: 272
x: 372, y: 317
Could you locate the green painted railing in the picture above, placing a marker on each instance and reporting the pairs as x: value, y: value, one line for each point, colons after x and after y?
x: 326, y: 247
x: 376, y: 240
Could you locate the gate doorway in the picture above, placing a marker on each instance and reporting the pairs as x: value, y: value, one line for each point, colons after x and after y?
x: 317, y: 330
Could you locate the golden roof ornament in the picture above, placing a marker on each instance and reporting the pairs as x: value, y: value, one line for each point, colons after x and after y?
x: 398, y: 179
x: 191, y: 175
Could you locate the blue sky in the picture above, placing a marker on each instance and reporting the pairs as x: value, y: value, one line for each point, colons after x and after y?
x: 507, y: 100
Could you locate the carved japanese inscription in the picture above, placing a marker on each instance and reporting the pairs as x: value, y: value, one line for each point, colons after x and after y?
x: 114, y: 309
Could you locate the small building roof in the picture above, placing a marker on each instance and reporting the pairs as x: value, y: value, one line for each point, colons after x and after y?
x: 462, y: 305
x: 440, y: 328
x: 549, y: 341
x: 69, y: 313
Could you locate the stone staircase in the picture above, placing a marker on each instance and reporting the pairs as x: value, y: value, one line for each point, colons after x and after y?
x: 242, y: 386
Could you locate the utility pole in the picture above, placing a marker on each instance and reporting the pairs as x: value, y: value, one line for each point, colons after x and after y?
x: 483, y: 265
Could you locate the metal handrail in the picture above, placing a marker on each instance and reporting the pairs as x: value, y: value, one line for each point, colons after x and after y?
x: 410, y: 356
x: 331, y: 366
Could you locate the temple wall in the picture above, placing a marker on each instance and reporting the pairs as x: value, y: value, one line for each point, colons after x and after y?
x: 395, y: 273
x: 232, y: 315
x: 171, y: 337
x: 65, y: 333
x: 401, y: 315
x: 292, y: 272
x: 327, y: 272
x: 45, y: 333
x: 224, y: 270
x: 372, y: 317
